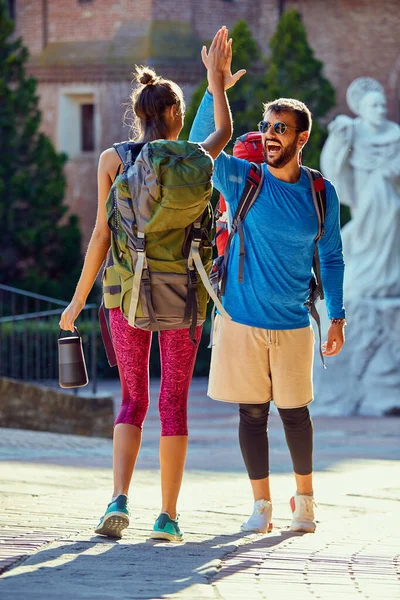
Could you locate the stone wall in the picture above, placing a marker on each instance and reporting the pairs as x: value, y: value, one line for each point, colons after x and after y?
x: 94, y: 45
x: 355, y: 38
x: 74, y: 20
x: 27, y: 406
x: 352, y: 37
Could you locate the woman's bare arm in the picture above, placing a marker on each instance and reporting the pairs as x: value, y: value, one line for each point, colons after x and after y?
x: 99, y: 242
x: 215, y: 61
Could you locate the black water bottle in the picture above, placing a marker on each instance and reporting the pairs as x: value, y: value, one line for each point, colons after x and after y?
x: 72, y: 371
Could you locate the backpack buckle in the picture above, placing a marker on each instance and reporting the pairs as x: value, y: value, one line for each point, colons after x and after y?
x: 140, y: 242
x: 196, y: 232
x: 146, y: 276
x: 192, y: 278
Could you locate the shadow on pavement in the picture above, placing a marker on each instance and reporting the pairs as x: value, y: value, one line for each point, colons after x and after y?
x: 99, y: 568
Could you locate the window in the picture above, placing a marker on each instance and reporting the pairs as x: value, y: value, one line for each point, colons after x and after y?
x: 87, y: 127
x: 11, y: 9
x: 78, y: 122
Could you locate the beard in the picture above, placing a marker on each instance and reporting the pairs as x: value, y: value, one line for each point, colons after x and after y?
x: 284, y: 157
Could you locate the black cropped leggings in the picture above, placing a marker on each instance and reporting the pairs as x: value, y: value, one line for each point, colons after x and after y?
x: 253, y: 438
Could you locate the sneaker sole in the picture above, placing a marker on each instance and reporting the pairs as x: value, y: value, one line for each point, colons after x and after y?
x: 113, y: 525
x: 303, y: 527
x: 268, y: 530
x: 163, y: 535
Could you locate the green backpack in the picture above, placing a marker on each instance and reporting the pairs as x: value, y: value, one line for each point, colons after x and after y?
x: 161, y: 221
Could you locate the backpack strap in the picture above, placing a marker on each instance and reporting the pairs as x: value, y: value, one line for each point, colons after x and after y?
x: 194, y: 260
x: 139, y: 267
x: 138, y: 244
x: 122, y: 149
x: 117, y: 172
x: 252, y: 188
x: 104, y: 326
x: 128, y: 151
x: 319, y: 198
x: 318, y: 191
x: 106, y: 335
x: 141, y: 276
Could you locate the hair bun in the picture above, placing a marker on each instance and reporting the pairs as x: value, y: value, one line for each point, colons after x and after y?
x: 146, y: 76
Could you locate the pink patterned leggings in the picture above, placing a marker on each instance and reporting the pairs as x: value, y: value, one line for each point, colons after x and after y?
x: 178, y: 355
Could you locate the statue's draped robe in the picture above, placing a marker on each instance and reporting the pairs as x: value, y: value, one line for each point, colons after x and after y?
x: 365, y: 169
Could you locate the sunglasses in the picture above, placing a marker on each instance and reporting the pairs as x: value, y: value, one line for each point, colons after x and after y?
x: 280, y: 127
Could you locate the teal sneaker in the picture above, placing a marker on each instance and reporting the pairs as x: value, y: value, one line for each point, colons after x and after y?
x: 166, y: 528
x: 115, y: 519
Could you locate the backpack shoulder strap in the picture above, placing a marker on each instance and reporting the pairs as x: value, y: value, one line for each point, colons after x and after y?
x: 251, y: 190
x: 318, y: 191
x: 117, y: 172
x: 122, y: 149
x: 128, y: 150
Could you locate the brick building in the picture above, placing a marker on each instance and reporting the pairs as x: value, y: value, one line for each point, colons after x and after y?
x: 82, y: 53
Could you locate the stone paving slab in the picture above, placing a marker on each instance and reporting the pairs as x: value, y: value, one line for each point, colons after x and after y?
x: 54, y: 487
x: 344, y: 559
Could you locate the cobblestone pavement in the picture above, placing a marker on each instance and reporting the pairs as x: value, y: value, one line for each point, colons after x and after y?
x: 54, y: 487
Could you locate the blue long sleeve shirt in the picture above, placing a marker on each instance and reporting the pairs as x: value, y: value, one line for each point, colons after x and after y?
x: 279, y: 233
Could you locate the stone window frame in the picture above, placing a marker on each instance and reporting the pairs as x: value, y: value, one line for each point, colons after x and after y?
x: 69, y: 125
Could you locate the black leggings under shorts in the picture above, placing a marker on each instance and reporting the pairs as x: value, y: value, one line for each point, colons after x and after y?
x: 253, y: 438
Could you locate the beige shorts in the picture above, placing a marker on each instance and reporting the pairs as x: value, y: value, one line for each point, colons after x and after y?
x: 253, y: 366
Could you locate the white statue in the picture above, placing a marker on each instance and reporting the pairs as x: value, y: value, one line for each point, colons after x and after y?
x: 362, y: 158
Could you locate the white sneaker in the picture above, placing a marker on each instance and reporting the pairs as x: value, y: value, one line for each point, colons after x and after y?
x: 260, y: 520
x: 303, y: 513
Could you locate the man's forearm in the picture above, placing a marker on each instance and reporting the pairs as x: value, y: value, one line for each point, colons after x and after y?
x: 332, y: 280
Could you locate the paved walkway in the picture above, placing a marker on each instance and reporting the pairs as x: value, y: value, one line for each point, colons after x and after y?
x: 54, y: 487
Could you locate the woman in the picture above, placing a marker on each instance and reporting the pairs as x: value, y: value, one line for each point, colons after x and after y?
x: 158, y: 109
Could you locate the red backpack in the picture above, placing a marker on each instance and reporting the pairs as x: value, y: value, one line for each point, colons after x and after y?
x: 249, y: 147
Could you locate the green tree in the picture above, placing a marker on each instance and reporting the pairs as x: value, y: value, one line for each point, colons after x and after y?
x: 294, y: 72
x: 246, y: 55
x: 40, y: 244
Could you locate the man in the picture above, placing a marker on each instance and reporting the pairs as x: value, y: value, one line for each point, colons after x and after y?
x: 266, y: 351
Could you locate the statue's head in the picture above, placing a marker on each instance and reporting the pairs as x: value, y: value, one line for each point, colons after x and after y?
x: 366, y: 98
x: 373, y: 107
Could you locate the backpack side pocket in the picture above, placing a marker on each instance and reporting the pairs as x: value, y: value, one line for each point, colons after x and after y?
x: 111, y: 288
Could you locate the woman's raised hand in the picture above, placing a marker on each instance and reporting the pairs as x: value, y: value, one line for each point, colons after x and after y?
x: 219, y: 59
